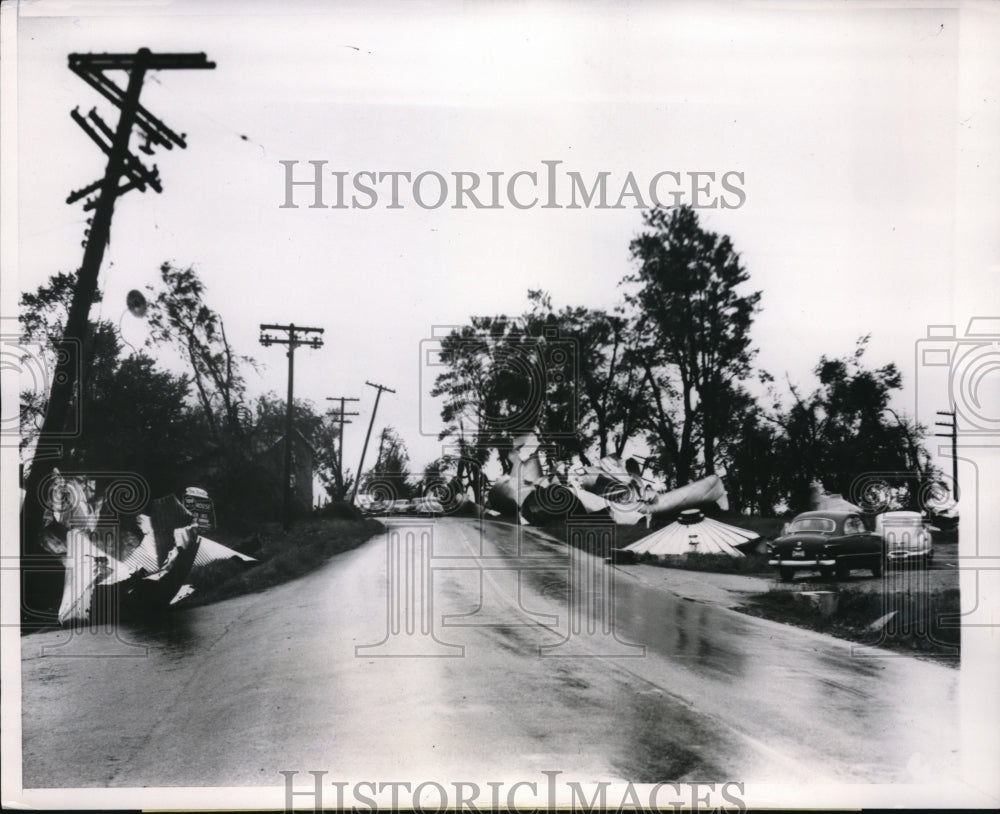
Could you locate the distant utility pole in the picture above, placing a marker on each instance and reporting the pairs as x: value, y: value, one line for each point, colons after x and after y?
x: 953, y: 435
x: 124, y: 172
x: 342, y: 420
x: 364, y: 449
x: 293, y: 340
x: 381, y: 447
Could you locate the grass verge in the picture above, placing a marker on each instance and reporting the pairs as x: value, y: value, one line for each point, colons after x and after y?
x: 282, y: 556
x: 922, y: 624
x: 751, y: 564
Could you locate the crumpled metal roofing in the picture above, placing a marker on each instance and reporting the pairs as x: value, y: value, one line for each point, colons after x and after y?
x: 707, y: 536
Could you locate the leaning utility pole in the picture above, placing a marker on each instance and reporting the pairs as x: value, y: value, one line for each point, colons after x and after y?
x: 342, y: 420
x: 953, y: 435
x: 293, y: 340
x: 364, y: 449
x: 124, y: 172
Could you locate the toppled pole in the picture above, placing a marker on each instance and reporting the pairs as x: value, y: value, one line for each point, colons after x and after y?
x: 122, y: 166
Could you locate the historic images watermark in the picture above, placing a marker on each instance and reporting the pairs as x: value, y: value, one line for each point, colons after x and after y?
x: 82, y: 509
x: 964, y: 370
x: 548, y: 791
x: 85, y: 513
x: 413, y: 629
x: 534, y: 365
x: 313, y: 184
x: 537, y: 369
x: 909, y: 605
x: 958, y: 399
x: 35, y: 365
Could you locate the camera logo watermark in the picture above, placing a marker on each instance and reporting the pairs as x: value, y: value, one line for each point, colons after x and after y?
x: 964, y: 372
x: 36, y: 365
x: 958, y: 398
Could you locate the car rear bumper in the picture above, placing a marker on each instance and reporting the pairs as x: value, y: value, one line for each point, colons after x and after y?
x: 797, y: 563
x: 908, y: 555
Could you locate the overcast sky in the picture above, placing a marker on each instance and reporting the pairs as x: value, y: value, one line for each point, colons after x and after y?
x: 866, y: 137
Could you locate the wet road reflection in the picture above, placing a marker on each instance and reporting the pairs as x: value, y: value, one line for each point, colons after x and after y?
x: 232, y: 693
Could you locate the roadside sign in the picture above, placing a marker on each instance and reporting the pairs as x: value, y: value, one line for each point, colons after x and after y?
x: 201, y: 507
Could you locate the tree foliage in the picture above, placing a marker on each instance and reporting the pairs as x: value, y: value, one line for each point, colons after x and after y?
x: 694, y: 328
x: 672, y: 367
x: 179, y: 316
x: 131, y: 415
x: 390, y: 474
x: 846, y: 428
x: 321, y: 430
x: 604, y: 392
x: 503, y: 377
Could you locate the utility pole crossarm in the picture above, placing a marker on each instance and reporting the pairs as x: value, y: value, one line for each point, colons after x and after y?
x: 151, y: 61
x: 90, y: 68
x: 298, y: 328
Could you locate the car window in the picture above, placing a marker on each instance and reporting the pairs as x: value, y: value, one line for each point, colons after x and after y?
x: 821, y: 524
x: 854, y: 525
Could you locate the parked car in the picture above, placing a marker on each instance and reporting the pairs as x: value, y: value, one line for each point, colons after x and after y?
x: 376, y: 507
x: 428, y: 506
x: 907, y: 537
x: 402, y: 506
x: 832, y: 542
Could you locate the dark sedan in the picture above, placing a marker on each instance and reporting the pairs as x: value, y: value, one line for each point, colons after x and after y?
x: 834, y: 543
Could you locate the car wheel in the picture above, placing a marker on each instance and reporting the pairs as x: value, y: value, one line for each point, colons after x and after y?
x: 877, y: 569
x: 826, y: 573
x: 843, y: 571
x: 786, y: 574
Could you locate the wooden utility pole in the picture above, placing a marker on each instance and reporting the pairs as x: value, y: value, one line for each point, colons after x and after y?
x: 293, y: 339
x: 124, y: 172
x: 368, y: 435
x: 953, y: 435
x: 342, y: 420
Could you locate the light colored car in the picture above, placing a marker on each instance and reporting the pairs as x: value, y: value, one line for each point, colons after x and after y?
x: 427, y: 506
x: 908, y: 537
x: 402, y: 506
x: 377, y: 506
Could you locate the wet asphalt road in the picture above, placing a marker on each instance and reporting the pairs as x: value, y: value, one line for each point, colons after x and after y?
x: 233, y: 693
